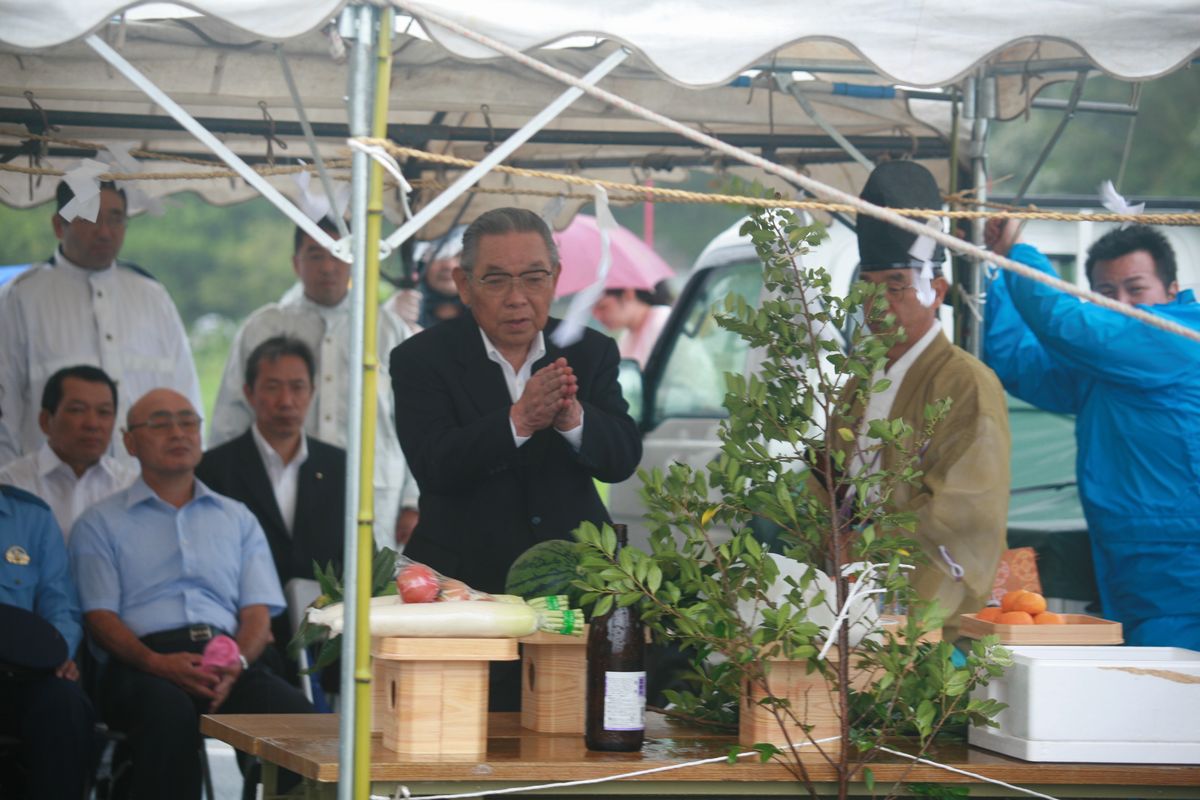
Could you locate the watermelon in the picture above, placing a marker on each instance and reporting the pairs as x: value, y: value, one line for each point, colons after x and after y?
x: 547, y: 568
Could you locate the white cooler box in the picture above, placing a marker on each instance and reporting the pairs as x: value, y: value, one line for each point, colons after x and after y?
x: 1135, y: 705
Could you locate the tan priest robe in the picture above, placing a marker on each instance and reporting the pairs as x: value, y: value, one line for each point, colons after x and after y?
x: 961, y: 499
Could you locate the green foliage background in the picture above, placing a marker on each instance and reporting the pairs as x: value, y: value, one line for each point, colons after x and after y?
x: 1163, y: 159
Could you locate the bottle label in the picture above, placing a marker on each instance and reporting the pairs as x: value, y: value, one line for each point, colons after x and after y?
x: 624, y: 701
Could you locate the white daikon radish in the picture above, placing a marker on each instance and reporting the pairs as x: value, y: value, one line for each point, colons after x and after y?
x: 483, y: 619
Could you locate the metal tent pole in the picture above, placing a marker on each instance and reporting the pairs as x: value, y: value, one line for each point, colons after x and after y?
x: 522, y: 135
x: 787, y: 84
x: 368, y: 357
x: 189, y: 123
x: 1068, y: 115
x: 358, y: 23
x: 983, y: 110
x: 302, y: 117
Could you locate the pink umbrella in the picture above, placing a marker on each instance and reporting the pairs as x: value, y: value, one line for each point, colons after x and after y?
x: 635, y: 265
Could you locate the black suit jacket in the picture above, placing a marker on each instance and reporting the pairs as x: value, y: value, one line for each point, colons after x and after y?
x: 235, y: 469
x: 484, y: 501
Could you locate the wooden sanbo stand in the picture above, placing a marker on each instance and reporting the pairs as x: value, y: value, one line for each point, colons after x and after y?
x: 809, y: 696
x: 431, y: 695
x: 553, y: 682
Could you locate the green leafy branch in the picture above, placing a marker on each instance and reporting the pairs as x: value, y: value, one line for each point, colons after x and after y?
x: 798, y: 474
x: 383, y: 584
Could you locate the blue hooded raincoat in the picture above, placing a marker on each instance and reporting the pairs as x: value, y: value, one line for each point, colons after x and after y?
x: 1135, y: 391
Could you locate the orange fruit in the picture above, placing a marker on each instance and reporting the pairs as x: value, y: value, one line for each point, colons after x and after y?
x: 1006, y: 602
x: 1015, y: 618
x: 1031, y: 603
x: 1049, y: 618
x: 989, y: 614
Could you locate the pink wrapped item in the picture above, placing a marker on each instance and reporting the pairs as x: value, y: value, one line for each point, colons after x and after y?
x: 221, y: 652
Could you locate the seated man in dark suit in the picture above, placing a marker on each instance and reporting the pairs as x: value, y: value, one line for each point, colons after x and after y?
x: 504, y: 430
x: 294, y: 484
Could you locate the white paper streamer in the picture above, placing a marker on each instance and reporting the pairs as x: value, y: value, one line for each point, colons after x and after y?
x: 924, y: 285
x: 1110, y: 199
x: 391, y: 165
x: 859, y: 589
x: 552, y: 209
x: 574, y: 321
x: 85, y: 185
x: 117, y: 154
x: 315, y: 203
x: 922, y: 250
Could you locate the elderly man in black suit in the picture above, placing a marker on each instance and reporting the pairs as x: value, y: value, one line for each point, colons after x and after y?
x: 504, y: 430
x: 294, y: 484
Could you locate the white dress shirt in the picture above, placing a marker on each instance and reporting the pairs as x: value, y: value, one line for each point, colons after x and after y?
x: 326, y: 330
x: 879, y: 404
x: 57, y: 315
x: 516, y: 380
x: 43, y: 473
x: 284, y: 478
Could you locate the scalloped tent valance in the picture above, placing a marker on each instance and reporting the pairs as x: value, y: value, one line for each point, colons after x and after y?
x: 705, y: 42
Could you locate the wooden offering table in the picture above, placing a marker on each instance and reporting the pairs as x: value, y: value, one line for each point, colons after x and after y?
x: 516, y: 756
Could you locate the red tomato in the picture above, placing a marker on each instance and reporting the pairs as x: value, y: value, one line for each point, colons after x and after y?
x: 417, y: 584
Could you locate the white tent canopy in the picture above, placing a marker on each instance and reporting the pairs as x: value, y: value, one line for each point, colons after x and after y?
x: 706, y: 42
x: 223, y: 68
x: 437, y: 102
x: 228, y: 77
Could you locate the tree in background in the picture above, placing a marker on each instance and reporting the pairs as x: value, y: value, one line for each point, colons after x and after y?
x: 1162, y: 161
x: 212, y: 259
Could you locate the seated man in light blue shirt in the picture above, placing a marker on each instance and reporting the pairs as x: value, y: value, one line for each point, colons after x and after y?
x: 162, y: 568
x: 40, y: 699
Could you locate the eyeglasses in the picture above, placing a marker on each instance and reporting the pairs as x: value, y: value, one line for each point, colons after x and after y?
x: 895, y: 290
x: 501, y: 283
x: 161, y: 421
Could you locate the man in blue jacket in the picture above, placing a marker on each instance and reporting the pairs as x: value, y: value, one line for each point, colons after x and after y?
x: 1135, y: 391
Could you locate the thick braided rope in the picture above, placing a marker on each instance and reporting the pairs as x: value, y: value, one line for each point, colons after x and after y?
x: 86, y: 145
x: 809, y: 184
x: 632, y: 191
x: 216, y: 168
x: 129, y: 177
x: 682, y: 196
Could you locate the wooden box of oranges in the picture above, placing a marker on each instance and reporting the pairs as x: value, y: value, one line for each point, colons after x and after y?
x: 1022, y: 618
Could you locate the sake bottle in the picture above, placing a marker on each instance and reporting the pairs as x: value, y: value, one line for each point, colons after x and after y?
x: 616, y: 677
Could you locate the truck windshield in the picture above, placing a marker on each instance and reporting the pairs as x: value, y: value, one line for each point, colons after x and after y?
x: 699, y: 352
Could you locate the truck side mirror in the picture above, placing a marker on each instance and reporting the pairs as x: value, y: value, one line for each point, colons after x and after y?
x: 630, y: 378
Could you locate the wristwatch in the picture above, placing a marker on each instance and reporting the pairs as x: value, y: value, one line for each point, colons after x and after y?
x: 245, y: 663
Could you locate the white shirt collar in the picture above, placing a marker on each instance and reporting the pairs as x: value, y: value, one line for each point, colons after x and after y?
x: 327, y: 312
x: 537, y: 349
x: 48, y: 462
x: 270, y: 455
x: 71, y: 268
x: 516, y: 379
x: 897, y: 371
x: 879, y: 404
